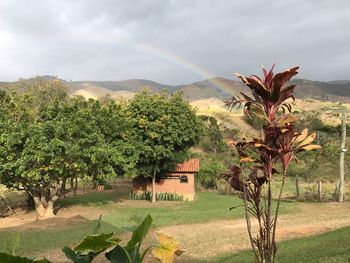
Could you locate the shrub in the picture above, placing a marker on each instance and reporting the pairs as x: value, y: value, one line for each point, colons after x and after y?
x: 159, y: 196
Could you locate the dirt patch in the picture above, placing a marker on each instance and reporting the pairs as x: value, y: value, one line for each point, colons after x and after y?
x: 25, y: 223
x: 66, y: 217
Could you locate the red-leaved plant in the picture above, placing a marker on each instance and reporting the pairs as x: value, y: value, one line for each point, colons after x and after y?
x: 280, y: 142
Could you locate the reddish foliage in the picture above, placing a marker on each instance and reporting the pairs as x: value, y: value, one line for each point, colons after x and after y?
x: 280, y: 142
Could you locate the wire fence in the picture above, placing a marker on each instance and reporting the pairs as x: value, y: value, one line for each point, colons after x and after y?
x: 301, y: 189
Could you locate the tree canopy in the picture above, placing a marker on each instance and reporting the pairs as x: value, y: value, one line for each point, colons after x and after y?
x: 165, y: 127
x: 47, y: 138
x: 214, y: 138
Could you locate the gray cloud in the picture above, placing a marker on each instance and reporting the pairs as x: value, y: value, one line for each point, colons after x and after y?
x: 172, y: 41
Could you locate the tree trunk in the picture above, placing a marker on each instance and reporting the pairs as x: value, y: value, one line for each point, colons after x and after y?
x: 94, y: 183
x: 43, y: 200
x: 39, y: 207
x: 30, y: 202
x: 75, y: 185
x: 63, y: 189
x: 71, y: 184
x: 342, y: 155
x: 44, y: 210
x: 154, y: 187
x: 49, y: 210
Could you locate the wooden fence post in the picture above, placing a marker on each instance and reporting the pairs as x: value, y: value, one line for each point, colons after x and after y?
x: 342, y: 155
x: 319, y: 189
x: 297, y: 187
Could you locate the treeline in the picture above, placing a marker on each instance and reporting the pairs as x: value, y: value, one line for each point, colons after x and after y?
x: 48, y: 138
x: 216, y: 154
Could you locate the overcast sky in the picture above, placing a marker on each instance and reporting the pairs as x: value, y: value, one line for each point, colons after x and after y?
x: 172, y: 42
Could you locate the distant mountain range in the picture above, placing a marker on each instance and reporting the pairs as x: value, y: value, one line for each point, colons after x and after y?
x: 218, y: 88
x: 209, y: 88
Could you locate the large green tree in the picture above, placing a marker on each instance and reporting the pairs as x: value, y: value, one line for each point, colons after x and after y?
x: 165, y: 127
x: 47, y: 138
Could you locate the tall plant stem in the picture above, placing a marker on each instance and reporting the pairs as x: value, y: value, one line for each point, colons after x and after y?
x: 261, y: 230
x: 268, y: 224
x: 249, y: 226
x: 276, y: 215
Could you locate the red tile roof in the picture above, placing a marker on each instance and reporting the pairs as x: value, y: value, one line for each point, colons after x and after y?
x: 191, y: 166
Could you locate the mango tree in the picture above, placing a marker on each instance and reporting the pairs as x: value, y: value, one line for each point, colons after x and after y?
x: 47, y: 138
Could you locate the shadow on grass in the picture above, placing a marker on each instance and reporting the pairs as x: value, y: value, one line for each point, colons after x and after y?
x: 92, y: 199
x: 95, y: 198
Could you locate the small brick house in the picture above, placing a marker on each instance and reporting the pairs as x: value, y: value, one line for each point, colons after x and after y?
x: 180, y: 181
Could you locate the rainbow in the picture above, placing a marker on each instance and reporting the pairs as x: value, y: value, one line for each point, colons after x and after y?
x: 171, y: 58
x: 165, y: 55
x: 178, y: 60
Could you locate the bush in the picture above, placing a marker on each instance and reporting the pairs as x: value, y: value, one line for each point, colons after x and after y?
x: 159, y: 196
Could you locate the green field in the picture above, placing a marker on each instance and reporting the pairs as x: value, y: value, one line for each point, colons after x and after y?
x: 120, y: 216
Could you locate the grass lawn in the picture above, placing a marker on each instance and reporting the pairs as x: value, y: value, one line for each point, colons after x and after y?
x: 208, y: 206
x: 128, y: 213
x: 331, y: 247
